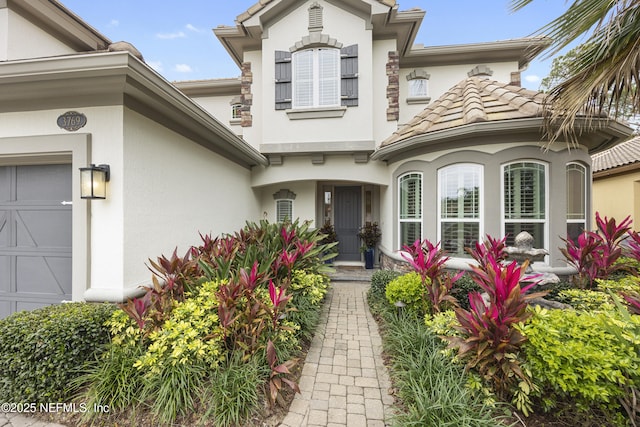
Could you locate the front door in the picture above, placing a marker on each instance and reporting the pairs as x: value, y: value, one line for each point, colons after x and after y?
x: 35, y: 236
x: 348, y: 217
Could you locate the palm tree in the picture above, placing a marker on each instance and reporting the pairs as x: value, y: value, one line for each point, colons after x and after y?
x: 605, y: 72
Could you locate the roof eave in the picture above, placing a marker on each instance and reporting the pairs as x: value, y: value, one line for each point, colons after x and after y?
x: 521, y: 50
x: 54, y: 17
x: 116, y: 77
x: 595, y: 134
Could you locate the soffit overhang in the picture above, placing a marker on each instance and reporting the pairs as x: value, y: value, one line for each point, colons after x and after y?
x: 117, y: 78
x: 595, y: 135
x: 59, y: 21
x: 521, y: 50
x: 382, y: 16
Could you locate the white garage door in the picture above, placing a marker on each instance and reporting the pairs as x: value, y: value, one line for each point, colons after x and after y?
x: 35, y: 236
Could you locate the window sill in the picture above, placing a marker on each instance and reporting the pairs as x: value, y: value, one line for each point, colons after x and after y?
x: 419, y: 100
x: 316, y: 113
x: 235, y: 122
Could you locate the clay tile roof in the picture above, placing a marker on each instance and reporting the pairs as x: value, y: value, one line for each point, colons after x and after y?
x: 622, y: 154
x: 263, y: 3
x: 473, y: 100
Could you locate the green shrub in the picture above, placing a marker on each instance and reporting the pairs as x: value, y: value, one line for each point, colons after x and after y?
x: 409, y: 289
x: 461, y: 289
x: 584, y: 299
x: 233, y: 392
x: 584, y: 357
x: 42, y: 351
x: 379, y: 281
x: 432, y: 390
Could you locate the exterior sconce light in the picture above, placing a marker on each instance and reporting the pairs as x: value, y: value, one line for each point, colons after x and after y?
x: 93, y: 182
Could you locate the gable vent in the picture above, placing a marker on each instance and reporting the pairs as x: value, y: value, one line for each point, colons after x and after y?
x: 315, y: 17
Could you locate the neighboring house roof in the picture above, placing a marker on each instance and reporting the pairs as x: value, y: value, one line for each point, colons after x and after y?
x: 473, y: 100
x: 625, y: 154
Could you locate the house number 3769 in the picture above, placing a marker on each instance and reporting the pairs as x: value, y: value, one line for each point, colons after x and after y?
x: 72, y: 121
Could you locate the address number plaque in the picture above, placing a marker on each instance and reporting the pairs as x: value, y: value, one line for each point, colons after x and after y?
x: 72, y: 121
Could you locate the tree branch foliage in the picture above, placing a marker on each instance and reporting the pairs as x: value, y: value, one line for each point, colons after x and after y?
x: 604, y: 72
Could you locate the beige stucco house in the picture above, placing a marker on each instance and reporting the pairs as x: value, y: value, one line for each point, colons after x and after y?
x: 616, y: 182
x: 337, y: 115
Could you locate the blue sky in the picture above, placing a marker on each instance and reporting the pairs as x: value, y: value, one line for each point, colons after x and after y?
x: 176, y: 37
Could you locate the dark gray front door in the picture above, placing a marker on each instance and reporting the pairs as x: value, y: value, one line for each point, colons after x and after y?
x: 35, y: 236
x: 348, y: 216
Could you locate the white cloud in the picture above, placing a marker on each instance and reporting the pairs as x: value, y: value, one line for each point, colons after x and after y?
x: 114, y: 23
x: 183, y: 68
x: 170, y: 36
x: 193, y: 28
x: 532, y: 78
x: 156, y: 65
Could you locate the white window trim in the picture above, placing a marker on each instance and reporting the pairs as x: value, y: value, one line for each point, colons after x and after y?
x: 277, y: 219
x: 316, y: 81
x: 584, y: 183
x: 544, y: 221
x: 479, y: 220
x: 400, y: 220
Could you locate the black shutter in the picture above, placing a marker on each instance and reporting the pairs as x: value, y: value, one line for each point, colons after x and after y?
x: 283, y: 80
x: 349, y: 75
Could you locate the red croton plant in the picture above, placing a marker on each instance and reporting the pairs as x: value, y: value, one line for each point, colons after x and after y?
x: 489, y: 342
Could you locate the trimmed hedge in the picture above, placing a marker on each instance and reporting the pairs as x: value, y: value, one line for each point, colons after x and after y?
x: 379, y: 281
x: 43, y: 350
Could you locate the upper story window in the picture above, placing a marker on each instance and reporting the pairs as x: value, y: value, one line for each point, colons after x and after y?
x: 418, y: 87
x: 410, y: 208
x: 525, y: 192
x: 576, y: 200
x: 459, y: 207
x: 236, y: 111
x: 316, y: 78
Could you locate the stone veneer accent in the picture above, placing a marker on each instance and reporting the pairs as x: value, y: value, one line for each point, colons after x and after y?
x: 393, y: 88
x: 388, y: 263
x: 246, y: 97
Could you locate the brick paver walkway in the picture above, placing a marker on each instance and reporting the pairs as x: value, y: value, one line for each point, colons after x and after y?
x: 343, y: 382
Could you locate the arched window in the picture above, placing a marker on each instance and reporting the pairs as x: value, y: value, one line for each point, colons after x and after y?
x: 410, y: 208
x: 576, y: 200
x: 524, y: 191
x: 460, y: 192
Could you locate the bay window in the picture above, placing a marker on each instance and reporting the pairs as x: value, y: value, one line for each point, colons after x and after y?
x: 524, y: 186
x: 410, y: 208
x: 459, y: 207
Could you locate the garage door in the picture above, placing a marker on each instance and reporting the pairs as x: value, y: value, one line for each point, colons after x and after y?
x: 35, y: 236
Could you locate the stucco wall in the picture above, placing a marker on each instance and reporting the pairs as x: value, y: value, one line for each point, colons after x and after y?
x: 618, y: 196
x: 174, y: 190
x: 304, y: 205
x: 356, y: 125
x: 220, y: 108
x: 25, y: 40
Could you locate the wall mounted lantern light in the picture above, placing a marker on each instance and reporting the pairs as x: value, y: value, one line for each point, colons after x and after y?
x: 93, y: 181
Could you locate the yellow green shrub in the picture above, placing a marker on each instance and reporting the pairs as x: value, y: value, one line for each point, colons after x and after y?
x: 409, y: 289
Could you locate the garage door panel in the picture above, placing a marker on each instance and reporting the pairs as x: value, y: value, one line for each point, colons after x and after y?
x: 5, y: 184
x: 5, y: 274
x: 35, y: 236
x: 5, y: 309
x: 43, y: 182
x: 43, y: 275
x: 5, y: 236
x: 44, y: 228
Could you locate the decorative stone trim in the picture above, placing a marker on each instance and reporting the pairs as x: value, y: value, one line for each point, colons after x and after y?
x: 315, y: 39
x: 275, y: 160
x: 515, y: 79
x: 317, y: 159
x: 246, y: 97
x: 284, y: 194
x: 418, y: 74
x: 480, y: 70
x: 361, y: 157
x: 393, y: 87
